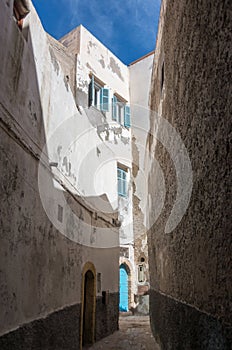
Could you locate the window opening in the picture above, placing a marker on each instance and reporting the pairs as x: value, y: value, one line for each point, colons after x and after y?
x: 141, y: 275
x: 162, y: 77
x: 98, y: 95
x: 120, y: 111
x: 122, y: 182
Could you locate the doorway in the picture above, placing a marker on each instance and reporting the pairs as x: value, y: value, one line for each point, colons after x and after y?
x: 88, y: 306
x: 123, y: 289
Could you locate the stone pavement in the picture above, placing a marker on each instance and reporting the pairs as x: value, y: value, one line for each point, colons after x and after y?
x: 134, y: 334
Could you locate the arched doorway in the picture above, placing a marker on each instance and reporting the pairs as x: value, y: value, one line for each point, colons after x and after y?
x: 123, y: 289
x: 88, y: 305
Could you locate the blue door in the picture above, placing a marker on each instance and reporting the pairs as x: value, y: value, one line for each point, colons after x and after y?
x: 123, y: 298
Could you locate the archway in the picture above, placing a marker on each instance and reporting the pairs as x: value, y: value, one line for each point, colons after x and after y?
x: 123, y: 289
x: 88, y: 305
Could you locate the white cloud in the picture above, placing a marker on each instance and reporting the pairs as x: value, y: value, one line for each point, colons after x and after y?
x: 110, y: 20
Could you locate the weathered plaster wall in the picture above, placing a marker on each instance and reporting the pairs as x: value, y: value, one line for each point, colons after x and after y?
x: 190, y: 268
x: 72, y: 40
x: 95, y: 59
x: 112, y: 143
x: 67, y: 60
x: 140, y: 82
x: 40, y: 267
x: 140, y: 79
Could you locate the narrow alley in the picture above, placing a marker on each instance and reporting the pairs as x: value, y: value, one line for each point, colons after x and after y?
x: 115, y: 163
x: 134, y: 333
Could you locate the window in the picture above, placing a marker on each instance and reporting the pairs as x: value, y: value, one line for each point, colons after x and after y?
x: 120, y: 112
x: 127, y: 116
x: 141, y: 275
x: 162, y: 77
x: 104, y: 99
x: 99, y: 278
x: 98, y: 95
x: 122, y: 183
x: 60, y: 213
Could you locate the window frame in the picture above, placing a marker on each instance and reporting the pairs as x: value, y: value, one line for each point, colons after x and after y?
x: 127, y: 116
x: 120, y: 111
x: 122, y: 182
x: 141, y: 273
x: 98, y: 94
x: 104, y: 99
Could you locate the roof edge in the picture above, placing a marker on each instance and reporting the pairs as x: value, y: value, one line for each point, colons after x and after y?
x: 141, y: 58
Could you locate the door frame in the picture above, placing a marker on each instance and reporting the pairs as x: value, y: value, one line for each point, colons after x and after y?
x: 131, y: 280
x: 87, y: 267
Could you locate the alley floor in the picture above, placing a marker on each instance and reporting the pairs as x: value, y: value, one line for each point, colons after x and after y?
x: 134, y: 334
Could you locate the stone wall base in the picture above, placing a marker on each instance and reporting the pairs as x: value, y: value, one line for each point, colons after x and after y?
x: 61, y: 329
x: 107, y: 316
x: 178, y: 326
x: 58, y: 331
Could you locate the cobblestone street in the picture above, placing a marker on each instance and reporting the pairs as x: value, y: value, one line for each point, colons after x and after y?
x: 134, y: 334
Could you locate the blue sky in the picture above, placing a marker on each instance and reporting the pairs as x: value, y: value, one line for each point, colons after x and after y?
x: 127, y: 27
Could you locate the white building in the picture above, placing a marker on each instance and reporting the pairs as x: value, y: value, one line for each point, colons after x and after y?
x: 114, y: 97
x: 102, y: 94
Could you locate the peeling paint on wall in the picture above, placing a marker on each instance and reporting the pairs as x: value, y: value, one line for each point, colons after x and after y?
x: 90, y: 68
x: 90, y: 46
x: 102, y: 62
x: 54, y: 61
x: 115, y: 68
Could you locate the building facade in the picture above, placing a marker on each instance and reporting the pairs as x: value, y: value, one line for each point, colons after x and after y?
x: 190, y: 265
x: 111, y: 95
x: 140, y: 81
x: 102, y: 93
x: 59, y: 253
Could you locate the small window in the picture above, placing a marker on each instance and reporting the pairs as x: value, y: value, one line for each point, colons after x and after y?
x: 162, y: 77
x: 120, y: 112
x: 60, y: 213
x: 122, y: 182
x: 120, y: 109
x: 99, y: 282
x: 98, y: 95
x: 141, y: 274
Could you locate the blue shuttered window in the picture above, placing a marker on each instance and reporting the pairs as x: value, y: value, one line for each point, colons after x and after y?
x: 114, y: 108
x: 104, y: 99
x: 98, y: 96
x: 122, y: 184
x: 120, y: 112
x: 127, y: 116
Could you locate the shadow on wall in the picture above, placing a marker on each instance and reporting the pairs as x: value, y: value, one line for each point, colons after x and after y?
x: 39, y: 266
